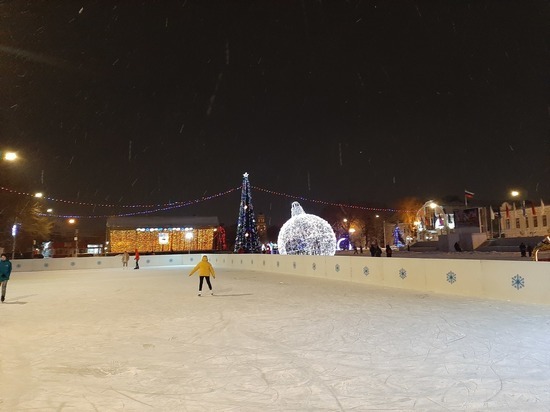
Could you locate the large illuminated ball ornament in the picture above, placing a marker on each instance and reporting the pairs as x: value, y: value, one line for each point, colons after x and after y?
x: 305, y: 234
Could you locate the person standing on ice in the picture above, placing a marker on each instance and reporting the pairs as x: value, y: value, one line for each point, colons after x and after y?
x: 205, y: 269
x: 136, y: 258
x: 125, y: 259
x: 5, y: 272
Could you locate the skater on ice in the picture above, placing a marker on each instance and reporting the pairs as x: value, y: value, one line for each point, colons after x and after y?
x: 205, y: 270
x: 136, y: 258
x: 5, y: 272
x: 125, y: 259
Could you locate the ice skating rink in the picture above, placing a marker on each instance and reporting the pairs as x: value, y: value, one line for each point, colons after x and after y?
x: 114, y: 340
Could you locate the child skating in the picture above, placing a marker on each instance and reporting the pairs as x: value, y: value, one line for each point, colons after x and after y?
x: 205, y: 270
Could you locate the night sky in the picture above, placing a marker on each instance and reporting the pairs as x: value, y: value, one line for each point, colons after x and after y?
x: 361, y: 102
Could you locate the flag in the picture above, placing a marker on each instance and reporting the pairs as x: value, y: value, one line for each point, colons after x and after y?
x: 492, y: 212
x: 542, y: 206
x: 514, y: 208
x: 533, y: 210
x: 523, y: 208
x: 468, y: 194
x: 507, y: 212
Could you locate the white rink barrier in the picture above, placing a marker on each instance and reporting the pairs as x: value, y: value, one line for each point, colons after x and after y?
x: 514, y: 281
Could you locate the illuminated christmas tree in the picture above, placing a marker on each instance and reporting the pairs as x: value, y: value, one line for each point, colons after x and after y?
x: 247, y: 234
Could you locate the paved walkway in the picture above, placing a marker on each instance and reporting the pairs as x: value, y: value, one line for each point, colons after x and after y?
x: 114, y: 340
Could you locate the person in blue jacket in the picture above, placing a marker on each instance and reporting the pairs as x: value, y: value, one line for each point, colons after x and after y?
x: 5, y: 272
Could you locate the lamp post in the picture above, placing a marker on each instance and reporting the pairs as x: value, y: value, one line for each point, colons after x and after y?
x: 75, y: 238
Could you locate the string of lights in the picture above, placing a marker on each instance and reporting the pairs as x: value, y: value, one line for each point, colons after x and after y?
x: 138, y: 206
x: 373, y: 209
x: 152, y: 208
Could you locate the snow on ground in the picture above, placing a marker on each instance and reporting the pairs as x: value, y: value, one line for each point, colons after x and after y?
x: 129, y: 340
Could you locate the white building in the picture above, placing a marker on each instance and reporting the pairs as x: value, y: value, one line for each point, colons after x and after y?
x: 522, y: 220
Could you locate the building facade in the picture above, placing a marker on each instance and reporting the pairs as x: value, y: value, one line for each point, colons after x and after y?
x: 521, y: 220
x: 161, y: 234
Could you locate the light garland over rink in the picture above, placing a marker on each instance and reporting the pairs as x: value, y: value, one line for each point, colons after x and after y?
x: 305, y: 234
x: 152, y: 208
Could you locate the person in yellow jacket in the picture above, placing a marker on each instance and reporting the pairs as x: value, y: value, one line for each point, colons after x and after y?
x: 205, y: 270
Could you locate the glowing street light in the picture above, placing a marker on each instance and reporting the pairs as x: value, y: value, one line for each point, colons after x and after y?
x: 39, y: 195
x: 10, y: 156
x: 514, y: 193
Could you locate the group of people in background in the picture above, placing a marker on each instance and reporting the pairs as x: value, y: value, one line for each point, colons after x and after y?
x: 525, y: 249
x: 375, y: 250
x: 126, y: 258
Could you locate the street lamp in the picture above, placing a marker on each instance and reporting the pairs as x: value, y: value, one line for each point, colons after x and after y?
x: 72, y: 222
x: 10, y: 156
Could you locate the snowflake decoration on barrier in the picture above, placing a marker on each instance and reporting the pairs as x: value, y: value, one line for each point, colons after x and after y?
x: 337, y: 267
x: 402, y: 273
x: 451, y: 277
x: 366, y: 271
x: 313, y: 266
x: 294, y: 265
x: 305, y: 234
x: 518, y: 282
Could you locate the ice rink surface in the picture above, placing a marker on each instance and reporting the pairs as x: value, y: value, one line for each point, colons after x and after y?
x: 142, y: 340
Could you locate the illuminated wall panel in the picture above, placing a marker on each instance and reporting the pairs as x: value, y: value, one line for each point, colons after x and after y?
x: 148, y: 240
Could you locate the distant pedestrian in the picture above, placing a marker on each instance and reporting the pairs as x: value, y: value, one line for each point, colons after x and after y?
x: 355, y: 251
x: 5, y: 272
x: 378, y: 251
x: 530, y: 250
x: 457, y: 247
x: 388, y: 251
x: 361, y: 249
x: 523, y: 249
x: 205, y: 269
x: 372, y: 250
x: 136, y: 258
x: 125, y: 259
